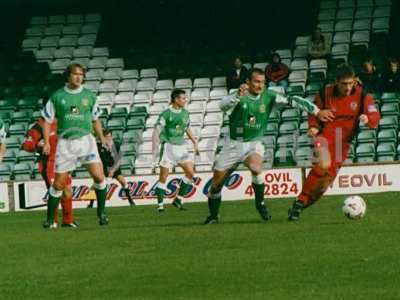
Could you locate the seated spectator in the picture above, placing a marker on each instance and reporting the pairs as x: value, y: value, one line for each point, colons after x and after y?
x: 319, y: 46
x: 277, y: 73
x: 236, y: 75
x: 369, y: 78
x: 390, y: 82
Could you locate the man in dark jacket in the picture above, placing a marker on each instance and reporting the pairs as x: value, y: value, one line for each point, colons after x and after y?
x: 236, y: 75
x: 111, y: 163
x: 391, y: 79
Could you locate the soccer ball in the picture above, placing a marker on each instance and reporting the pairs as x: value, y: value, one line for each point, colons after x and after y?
x: 354, y: 207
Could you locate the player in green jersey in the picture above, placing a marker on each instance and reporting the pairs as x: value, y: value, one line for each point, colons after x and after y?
x: 248, y: 112
x: 169, y: 133
x: 3, y: 135
x: 77, y: 115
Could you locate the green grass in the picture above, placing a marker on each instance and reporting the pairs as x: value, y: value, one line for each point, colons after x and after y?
x: 146, y: 255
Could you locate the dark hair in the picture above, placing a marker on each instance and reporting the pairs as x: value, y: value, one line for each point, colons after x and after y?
x: 72, y: 66
x: 344, y: 71
x: 322, y: 38
x: 252, y: 71
x: 275, y: 54
x: 106, y: 131
x: 176, y: 93
x: 392, y: 60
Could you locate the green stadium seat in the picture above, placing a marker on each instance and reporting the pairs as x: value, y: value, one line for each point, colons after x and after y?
x: 284, y: 157
x: 316, y: 77
x: 7, y: 105
x: 389, y: 122
x: 366, y: 136
x: 30, y: 90
x: 387, y: 135
x: 22, y: 171
x: 25, y: 104
x: 18, y: 129
x: 295, y: 90
x: 288, y: 127
x: 24, y: 156
x: 118, y: 112
x: 269, y: 157
x: 386, y: 152
x: 132, y: 136
x: 285, y: 141
x: 126, y: 165
x: 272, y: 129
x: 303, y: 128
x: 304, y: 156
x: 36, y: 115
x: 290, y: 114
x: 390, y: 109
x: 5, y: 115
x: 304, y: 140
x: 10, y: 155
x: 269, y: 141
x: 138, y: 111
x: 304, y: 116
x: 116, y: 124
x: 135, y: 124
x: 13, y: 142
x: 128, y: 149
x: 313, y: 88
x: 365, y: 153
x: 5, y: 172
x: 22, y: 116
x: 82, y: 174
x: 275, y: 116
x: 390, y: 98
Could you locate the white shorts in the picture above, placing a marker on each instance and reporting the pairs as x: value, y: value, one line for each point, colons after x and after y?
x: 172, y: 155
x: 234, y: 152
x: 73, y: 153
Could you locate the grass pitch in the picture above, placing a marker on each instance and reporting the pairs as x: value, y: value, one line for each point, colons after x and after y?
x: 143, y: 254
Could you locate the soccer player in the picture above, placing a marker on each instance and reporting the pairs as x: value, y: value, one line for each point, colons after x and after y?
x: 77, y: 114
x: 350, y: 105
x: 248, y: 110
x: 170, y: 129
x: 111, y: 160
x: 34, y: 143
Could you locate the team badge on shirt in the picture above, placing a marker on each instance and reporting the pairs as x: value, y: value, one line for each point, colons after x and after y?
x: 74, y: 110
x: 252, y: 120
x: 262, y: 108
x: 353, y: 105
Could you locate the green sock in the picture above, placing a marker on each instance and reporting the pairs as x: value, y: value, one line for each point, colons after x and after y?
x: 213, y: 206
x: 259, y: 193
x: 52, y: 204
x: 160, y: 195
x: 184, y: 189
x: 101, y: 201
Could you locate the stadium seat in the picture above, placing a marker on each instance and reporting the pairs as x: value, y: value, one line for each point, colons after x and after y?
x: 98, y: 63
x: 284, y: 157
x: 144, y: 164
x: 213, y: 106
x: 261, y: 65
x: 210, y: 131
x: 135, y: 124
x: 388, y: 122
x: 72, y: 29
x: 109, y: 86
x: 362, y: 24
x: 344, y: 25
x: 304, y: 157
x: 124, y: 98
x: 327, y: 15
x: 366, y: 136
x: 127, y: 85
x: 202, y: 83
x: 327, y: 26
x: 86, y: 39
x: 116, y: 124
x: 288, y: 127
x: 300, y: 52
x: 166, y: 84
x: 213, y: 119
x: 13, y: 142
x: 290, y: 114
x: 5, y: 172
x: 285, y: 141
x: 390, y: 109
x: 145, y: 148
x: 365, y: 153
x: 183, y: 83
x: 197, y: 107
x: 90, y: 28
x: 68, y: 41
x: 22, y: 171
x: 345, y: 14
x: 360, y: 38
x: 24, y: 156
x: 65, y: 52
x: 386, y: 152
x: 147, y: 135
x: 138, y: 112
x: 390, y: 98
x: 10, y: 156
x: 118, y: 112
x: 347, y: 4
x: 217, y: 94
x: 39, y: 20
x: 115, y: 63
x: 45, y: 54
x: 304, y: 140
x: 17, y: 129
x: 112, y: 74
x: 157, y: 108
x: 21, y: 117
x: 381, y: 25
x: 387, y: 135
x: 200, y: 94
x: 82, y: 52
x: 299, y: 65
x: 149, y: 73
x: 196, y: 120
x: 146, y: 85
x: 296, y: 89
x: 130, y: 74
x: 219, y: 82
x: 162, y: 97
x: 93, y: 86
x: 151, y: 121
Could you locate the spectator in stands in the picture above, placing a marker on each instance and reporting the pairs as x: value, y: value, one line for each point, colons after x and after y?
x: 318, y: 45
x: 369, y: 78
x: 390, y: 82
x: 236, y: 75
x: 277, y: 73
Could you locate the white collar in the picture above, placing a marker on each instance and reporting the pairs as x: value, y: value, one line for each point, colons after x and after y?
x: 76, y: 91
x: 177, y: 111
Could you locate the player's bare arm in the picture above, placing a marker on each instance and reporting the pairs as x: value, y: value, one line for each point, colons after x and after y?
x: 191, y: 137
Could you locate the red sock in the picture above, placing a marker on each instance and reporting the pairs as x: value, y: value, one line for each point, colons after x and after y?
x: 314, y: 187
x: 68, y: 216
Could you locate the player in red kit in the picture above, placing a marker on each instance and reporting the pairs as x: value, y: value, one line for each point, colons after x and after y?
x: 34, y: 143
x: 350, y: 106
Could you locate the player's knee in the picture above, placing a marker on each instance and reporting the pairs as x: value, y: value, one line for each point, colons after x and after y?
x: 55, y: 192
x: 100, y: 185
x: 67, y: 193
x: 257, y: 179
x: 255, y: 169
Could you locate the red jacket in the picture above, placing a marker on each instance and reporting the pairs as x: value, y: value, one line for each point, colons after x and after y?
x: 346, y: 110
x: 35, y: 135
x: 282, y: 72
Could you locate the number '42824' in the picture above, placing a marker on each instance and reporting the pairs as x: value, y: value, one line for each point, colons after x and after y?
x: 275, y: 189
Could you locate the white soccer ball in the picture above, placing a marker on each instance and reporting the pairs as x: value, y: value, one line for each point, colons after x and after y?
x: 354, y: 207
